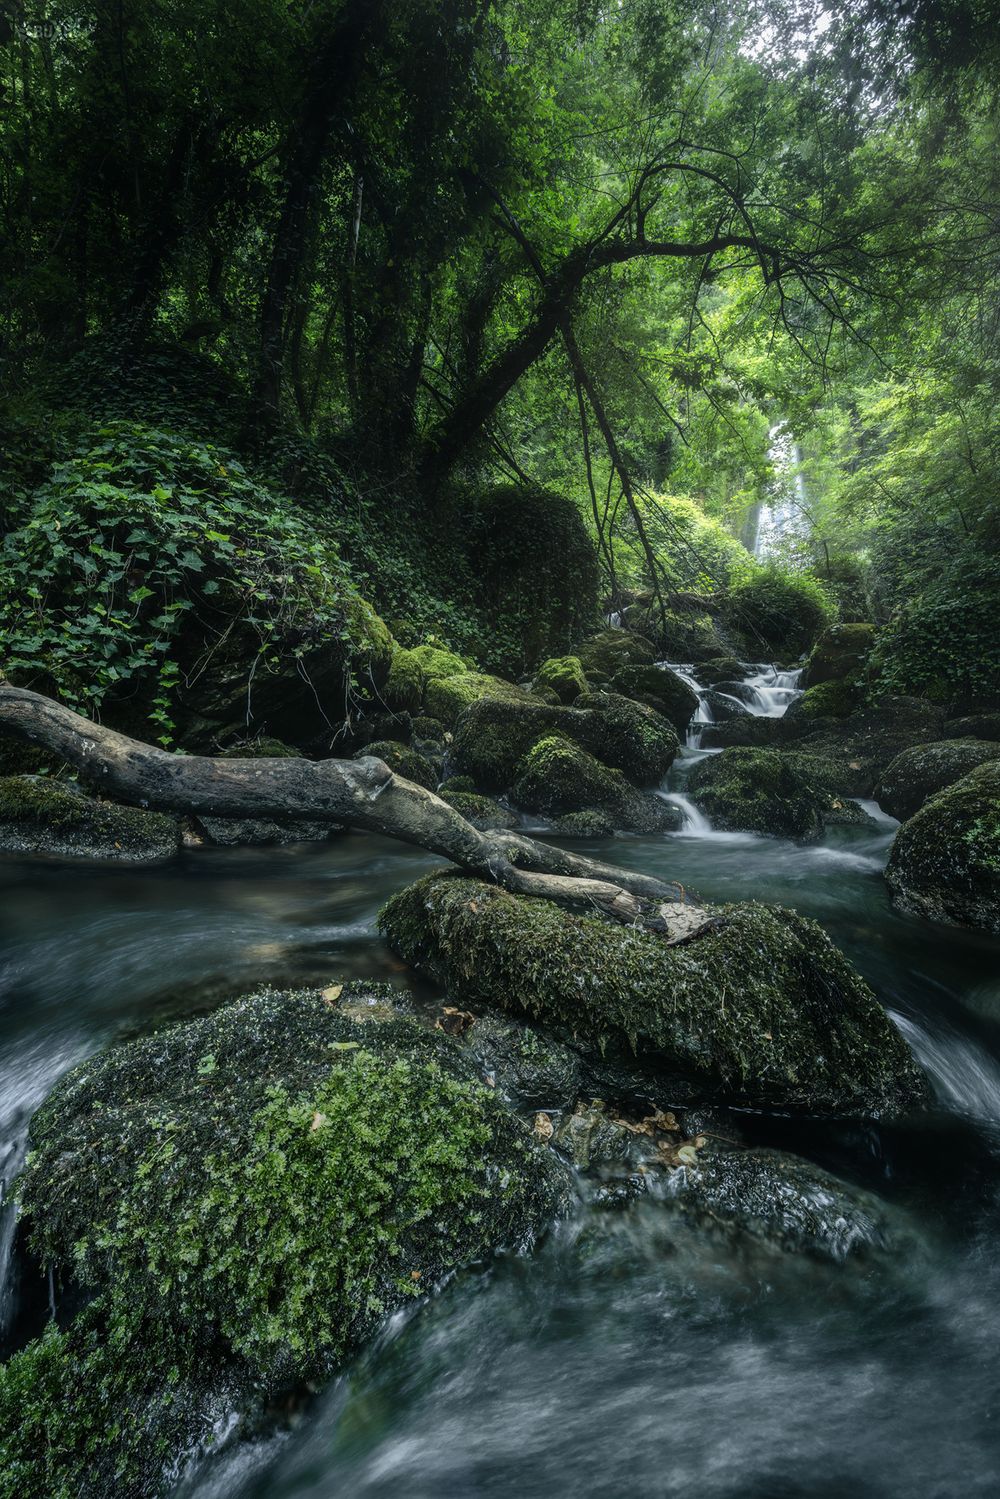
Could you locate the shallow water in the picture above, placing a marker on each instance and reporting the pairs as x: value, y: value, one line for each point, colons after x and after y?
x: 630, y: 1355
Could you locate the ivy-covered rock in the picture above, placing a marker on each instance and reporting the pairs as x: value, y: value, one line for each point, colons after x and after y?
x: 246, y: 1197
x: 404, y: 761
x: 492, y: 738
x: 557, y: 776
x: 40, y: 816
x: 761, y: 1009
x: 563, y: 676
x: 482, y: 811
x: 926, y: 769
x: 839, y: 653
x: 446, y: 698
x: 772, y: 791
x: 945, y: 862
x: 661, y: 689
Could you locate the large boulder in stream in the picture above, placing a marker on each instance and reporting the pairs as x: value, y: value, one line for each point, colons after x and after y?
x: 769, y: 791
x: 492, y: 738
x: 557, y: 777
x: 40, y: 816
x: 662, y: 689
x: 839, y: 654
x: 924, y: 770
x: 759, y: 1009
x: 239, y: 1201
x: 945, y: 861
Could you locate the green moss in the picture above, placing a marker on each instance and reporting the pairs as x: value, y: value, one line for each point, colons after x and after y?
x: 631, y: 737
x: 945, y: 861
x: 562, y: 675
x: 447, y: 698
x: 661, y: 689
x: 608, y: 651
x: 429, y: 729
x: 412, y: 670
x: 925, y: 769
x: 482, y: 811
x: 762, y: 1009
x: 557, y: 776
x: 590, y: 823
x: 721, y: 669
x: 771, y: 791
x: 43, y: 816
x: 21, y: 759
x: 372, y: 645
x: 829, y: 699
x: 252, y: 1192
x: 839, y: 653
x: 404, y: 761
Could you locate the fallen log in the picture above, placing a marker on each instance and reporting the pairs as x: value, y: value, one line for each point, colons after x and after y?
x: 362, y: 793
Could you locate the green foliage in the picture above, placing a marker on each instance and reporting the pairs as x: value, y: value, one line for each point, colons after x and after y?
x: 778, y: 613
x: 943, y: 643
x: 143, y: 553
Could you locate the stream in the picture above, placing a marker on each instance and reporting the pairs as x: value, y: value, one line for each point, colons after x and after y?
x: 630, y: 1355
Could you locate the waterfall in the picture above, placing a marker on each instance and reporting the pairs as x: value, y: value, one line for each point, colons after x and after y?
x: 781, y: 520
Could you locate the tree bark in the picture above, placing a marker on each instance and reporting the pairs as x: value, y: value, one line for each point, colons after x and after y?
x: 363, y: 793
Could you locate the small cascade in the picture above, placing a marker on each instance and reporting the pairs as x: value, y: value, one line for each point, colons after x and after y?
x: 696, y: 824
x: 771, y: 691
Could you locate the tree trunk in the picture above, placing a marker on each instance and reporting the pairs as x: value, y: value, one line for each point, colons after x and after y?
x: 362, y: 793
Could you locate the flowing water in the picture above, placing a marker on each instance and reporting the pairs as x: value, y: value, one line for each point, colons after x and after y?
x: 630, y: 1355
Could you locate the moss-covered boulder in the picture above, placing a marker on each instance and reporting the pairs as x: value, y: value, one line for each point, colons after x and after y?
x: 561, y: 675
x: 839, y: 653
x: 446, y: 698
x: 246, y: 1197
x: 410, y: 671
x: 587, y: 824
x: 483, y: 812
x: 403, y: 761
x: 772, y: 791
x: 39, y: 816
x: 720, y: 669
x: 776, y: 615
x: 661, y: 689
x: 833, y: 699
x: 975, y: 726
x: 557, y: 776
x: 725, y: 706
x: 760, y: 1009
x: 605, y: 653
x: 867, y: 741
x: 493, y: 737
x: 945, y: 862
x: 924, y: 770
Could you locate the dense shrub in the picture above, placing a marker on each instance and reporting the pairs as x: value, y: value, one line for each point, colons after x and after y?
x: 943, y: 642
x: 777, y: 612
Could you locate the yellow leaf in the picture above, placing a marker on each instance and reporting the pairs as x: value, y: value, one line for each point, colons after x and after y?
x: 332, y: 994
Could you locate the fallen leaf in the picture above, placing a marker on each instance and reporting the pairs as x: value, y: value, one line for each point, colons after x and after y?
x: 318, y: 1120
x: 543, y: 1127
x: 687, y: 1155
x: 416, y: 1274
x: 454, y: 1022
x: 332, y: 994
x: 344, y: 1045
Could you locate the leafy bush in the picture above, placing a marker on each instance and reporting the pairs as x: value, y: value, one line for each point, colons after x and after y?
x: 779, y: 612
x: 943, y: 643
x: 143, y: 554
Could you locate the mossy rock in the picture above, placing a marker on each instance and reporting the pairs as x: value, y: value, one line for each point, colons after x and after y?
x: 247, y: 1196
x: 428, y: 730
x: 446, y: 698
x: 975, y: 726
x: 661, y: 689
x: 833, y: 699
x: 456, y: 783
x: 945, y: 862
x: 403, y: 761
x: 39, y: 816
x: 839, y: 653
x: 924, y: 770
x: 720, y: 669
x: 761, y: 1009
x: 724, y: 706
x: 372, y: 645
x: 262, y: 748
x: 683, y: 635
x: 605, y: 653
x: 492, y: 738
x: 411, y: 670
x: 589, y: 823
x: 785, y: 793
x: 557, y: 776
x: 562, y: 675
x: 482, y: 811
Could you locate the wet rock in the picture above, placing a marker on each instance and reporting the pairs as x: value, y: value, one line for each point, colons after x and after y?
x: 978, y: 726
x: 723, y: 707
x: 782, y: 1202
x: 721, y: 669
x: 588, y: 824
x: 529, y: 1068
x: 661, y: 689
x: 557, y: 777
x: 773, y: 792
x: 246, y: 1197
x: 761, y: 1009
x: 589, y: 1137
x: 922, y: 771
x: 839, y: 653
x: 945, y: 862
x: 604, y: 654
x: 492, y: 738
x: 39, y: 816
